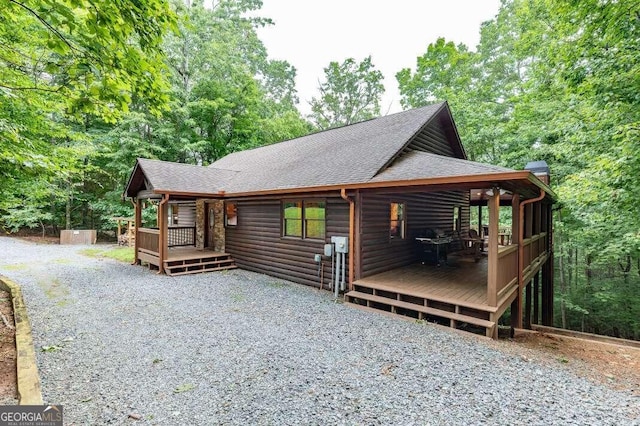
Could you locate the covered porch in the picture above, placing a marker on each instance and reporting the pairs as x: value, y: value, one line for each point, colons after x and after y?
x: 514, y: 272
x: 459, y: 294
x: 179, y: 258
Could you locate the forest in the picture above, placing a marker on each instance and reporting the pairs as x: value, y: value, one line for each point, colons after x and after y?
x: 87, y: 86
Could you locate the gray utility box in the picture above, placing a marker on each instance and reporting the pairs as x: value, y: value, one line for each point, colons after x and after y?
x: 342, y: 244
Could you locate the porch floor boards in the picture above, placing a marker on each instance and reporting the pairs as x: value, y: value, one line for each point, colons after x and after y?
x: 453, y: 294
x: 464, y: 282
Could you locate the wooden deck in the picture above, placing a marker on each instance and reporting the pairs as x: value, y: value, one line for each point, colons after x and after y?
x: 454, y: 294
x: 189, y: 260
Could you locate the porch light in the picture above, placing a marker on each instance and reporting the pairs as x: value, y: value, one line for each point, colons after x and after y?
x: 490, y: 192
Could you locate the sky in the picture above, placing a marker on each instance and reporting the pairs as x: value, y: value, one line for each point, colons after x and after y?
x: 309, y: 34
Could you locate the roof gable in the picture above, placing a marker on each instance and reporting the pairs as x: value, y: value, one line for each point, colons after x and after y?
x: 349, y: 154
x: 167, y: 177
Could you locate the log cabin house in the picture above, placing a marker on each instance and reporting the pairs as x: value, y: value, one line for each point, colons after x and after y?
x: 388, y: 193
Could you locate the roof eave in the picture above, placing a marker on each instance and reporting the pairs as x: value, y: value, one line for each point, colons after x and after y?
x: 489, y: 179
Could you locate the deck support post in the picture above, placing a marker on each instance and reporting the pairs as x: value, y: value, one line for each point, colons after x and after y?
x: 527, y: 306
x: 536, y: 298
x: 492, y: 268
x: 138, y: 218
x: 516, y: 306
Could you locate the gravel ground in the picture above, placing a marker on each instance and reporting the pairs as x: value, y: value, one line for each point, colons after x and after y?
x: 244, y: 348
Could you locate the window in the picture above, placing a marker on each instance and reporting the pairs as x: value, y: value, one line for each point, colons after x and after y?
x: 292, y: 214
x: 314, y: 220
x: 231, y: 214
x: 398, y: 221
x: 303, y: 219
x: 173, y: 215
x: 456, y: 219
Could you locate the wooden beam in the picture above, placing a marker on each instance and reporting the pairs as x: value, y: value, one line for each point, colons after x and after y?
x: 516, y: 306
x: 492, y: 268
x: 515, y: 219
x: 528, y: 220
x: 527, y: 305
x: 163, y: 237
x: 536, y: 298
x: 138, y: 216
x: 357, y: 244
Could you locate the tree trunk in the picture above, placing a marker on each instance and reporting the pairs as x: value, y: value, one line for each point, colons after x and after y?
x: 67, y: 215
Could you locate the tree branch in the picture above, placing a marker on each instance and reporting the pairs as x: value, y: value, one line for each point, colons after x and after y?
x: 45, y: 23
x: 31, y: 88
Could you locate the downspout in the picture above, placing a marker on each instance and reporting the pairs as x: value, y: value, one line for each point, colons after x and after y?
x: 352, y: 230
x: 162, y: 226
x: 521, y: 238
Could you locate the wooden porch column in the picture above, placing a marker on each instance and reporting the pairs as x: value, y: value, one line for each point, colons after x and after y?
x: 357, y: 244
x: 516, y: 305
x: 528, y: 222
x: 138, y: 218
x: 163, y: 237
x: 480, y: 223
x: 492, y: 268
x: 547, y: 275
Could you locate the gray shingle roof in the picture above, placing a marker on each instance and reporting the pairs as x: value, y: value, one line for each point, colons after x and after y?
x: 424, y: 165
x: 348, y: 155
x: 166, y: 176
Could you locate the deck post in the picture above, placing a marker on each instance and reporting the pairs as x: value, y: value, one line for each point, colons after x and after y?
x: 547, y: 275
x: 163, y: 237
x: 516, y: 306
x: 492, y: 267
x: 138, y: 218
x: 357, y: 243
x: 536, y: 297
x: 527, y: 305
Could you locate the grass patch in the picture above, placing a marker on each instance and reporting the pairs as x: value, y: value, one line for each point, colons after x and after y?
x: 123, y: 254
x: 16, y: 267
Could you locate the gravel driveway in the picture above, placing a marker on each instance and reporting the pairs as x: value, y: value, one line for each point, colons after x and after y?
x: 244, y: 348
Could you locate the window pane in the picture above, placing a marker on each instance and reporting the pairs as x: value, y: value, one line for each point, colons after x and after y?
x: 314, y: 214
x: 231, y: 211
x: 397, y: 220
x: 456, y: 218
x: 292, y: 213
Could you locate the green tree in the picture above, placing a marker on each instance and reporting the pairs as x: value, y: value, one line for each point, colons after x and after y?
x: 350, y: 93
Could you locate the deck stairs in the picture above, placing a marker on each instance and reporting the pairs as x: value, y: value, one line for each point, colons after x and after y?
x: 454, y: 313
x: 204, y: 262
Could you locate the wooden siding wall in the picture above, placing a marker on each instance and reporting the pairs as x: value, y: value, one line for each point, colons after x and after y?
x: 187, y: 214
x: 423, y: 210
x: 256, y: 243
x: 432, y: 139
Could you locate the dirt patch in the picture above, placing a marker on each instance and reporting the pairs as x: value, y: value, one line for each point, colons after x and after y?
x: 614, y: 366
x: 8, y: 380
x: 40, y: 239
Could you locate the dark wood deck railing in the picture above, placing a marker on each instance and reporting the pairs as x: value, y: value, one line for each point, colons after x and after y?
x: 180, y: 236
x: 148, y: 239
x: 507, y: 270
x: 534, y: 248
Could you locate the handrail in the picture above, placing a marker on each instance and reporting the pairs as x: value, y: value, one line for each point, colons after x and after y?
x: 503, y: 251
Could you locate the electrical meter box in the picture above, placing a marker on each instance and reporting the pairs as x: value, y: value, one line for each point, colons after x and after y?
x: 328, y: 249
x: 341, y: 243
